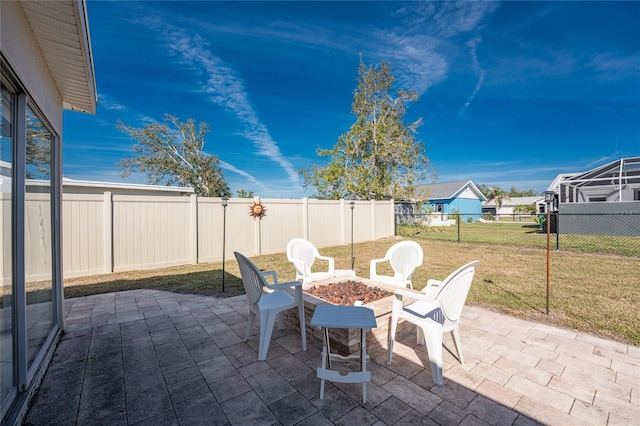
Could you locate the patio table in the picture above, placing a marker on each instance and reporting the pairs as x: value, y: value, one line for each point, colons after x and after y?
x: 336, y: 316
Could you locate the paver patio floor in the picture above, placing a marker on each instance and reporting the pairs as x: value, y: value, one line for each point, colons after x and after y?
x: 159, y: 358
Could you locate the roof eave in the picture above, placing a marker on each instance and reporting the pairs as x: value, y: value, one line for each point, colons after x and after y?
x: 61, y: 29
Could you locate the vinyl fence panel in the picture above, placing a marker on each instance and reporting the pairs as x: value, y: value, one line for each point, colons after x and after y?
x: 107, y: 232
x: 83, y: 235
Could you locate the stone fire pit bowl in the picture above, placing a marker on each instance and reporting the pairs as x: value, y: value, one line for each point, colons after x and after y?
x: 347, y: 341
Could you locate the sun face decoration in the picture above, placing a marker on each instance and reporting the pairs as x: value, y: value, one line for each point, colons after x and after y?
x: 257, y: 210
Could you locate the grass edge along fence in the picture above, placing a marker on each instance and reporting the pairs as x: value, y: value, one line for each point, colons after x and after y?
x: 592, y: 276
x: 612, y: 233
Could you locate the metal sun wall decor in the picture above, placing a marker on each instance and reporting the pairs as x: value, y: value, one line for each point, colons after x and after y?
x: 257, y: 210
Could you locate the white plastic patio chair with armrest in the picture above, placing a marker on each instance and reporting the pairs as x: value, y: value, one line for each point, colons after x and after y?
x: 404, y: 258
x: 436, y: 310
x: 269, y: 301
x: 302, y: 253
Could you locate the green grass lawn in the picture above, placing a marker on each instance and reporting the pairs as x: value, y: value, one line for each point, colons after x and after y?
x: 596, y: 293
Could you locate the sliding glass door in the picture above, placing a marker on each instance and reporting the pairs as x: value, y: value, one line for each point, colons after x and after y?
x: 37, y: 239
x: 28, y: 308
x: 8, y: 378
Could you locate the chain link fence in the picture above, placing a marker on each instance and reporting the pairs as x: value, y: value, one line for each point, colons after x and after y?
x: 616, y: 233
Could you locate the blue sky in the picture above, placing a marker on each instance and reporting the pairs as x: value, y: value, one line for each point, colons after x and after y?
x: 511, y: 93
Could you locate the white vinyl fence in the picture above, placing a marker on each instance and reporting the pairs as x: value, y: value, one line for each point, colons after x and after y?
x: 110, y: 233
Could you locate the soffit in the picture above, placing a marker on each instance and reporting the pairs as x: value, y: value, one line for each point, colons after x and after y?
x: 61, y: 30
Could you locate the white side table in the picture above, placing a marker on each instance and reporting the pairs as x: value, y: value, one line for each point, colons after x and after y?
x: 334, y: 316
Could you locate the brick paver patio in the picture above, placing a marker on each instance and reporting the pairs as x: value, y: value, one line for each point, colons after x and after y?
x: 158, y: 358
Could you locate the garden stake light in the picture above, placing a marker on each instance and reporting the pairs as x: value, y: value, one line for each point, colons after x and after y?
x: 548, y: 199
x: 224, y: 231
x: 353, y: 259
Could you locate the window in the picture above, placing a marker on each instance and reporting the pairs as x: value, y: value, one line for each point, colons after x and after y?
x: 636, y: 194
x: 597, y: 199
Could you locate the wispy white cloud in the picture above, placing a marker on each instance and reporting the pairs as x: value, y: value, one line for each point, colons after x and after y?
x: 414, y: 58
x: 113, y: 106
x: 419, y: 48
x: 223, y: 87
x: 453, y: 18
x: 479, y: 71
x: 248, y: 176
x: 616, y: 66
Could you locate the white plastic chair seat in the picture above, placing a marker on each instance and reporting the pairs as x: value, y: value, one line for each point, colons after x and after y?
x: 269, y: 301
x: 404, y: 258
x: 436, y: 310
x: 276, y: 300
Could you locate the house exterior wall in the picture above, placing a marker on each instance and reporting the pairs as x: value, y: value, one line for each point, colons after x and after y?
x: 31, y: 215
x: 469, y: 208
x: 28, y: 234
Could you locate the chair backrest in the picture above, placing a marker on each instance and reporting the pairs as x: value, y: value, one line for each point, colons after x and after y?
x: 404, y: 253
x: 454, y: 290
x: 300, y: 249
x: 252, y: 278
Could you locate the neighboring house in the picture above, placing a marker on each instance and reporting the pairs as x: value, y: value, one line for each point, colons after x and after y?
x: 601, y: 201
x: 46, y: 66
x: 509, y: 204
x: 71, y: 186
x: 618, y: 181
x: 445, y: 198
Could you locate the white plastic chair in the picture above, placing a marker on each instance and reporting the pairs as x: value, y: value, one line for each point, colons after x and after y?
x: 404, y: 257
x: 269, y: 301
x: 302, y: 254
x: 436, y: 311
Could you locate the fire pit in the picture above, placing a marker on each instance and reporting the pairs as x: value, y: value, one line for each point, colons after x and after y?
x: 338, y: 291
x: 348, y: 292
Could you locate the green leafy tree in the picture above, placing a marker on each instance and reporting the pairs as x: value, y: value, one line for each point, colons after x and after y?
x: 498, y: 195
x: 515, y: 192
x: 379, y: 157
x: 484, y: 189
x: 244, y: 194
x: 172, y: 153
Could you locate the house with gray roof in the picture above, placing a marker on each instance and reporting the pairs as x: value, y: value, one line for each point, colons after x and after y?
x: 446, y: 198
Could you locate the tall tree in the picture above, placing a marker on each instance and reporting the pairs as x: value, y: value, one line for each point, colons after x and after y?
x: 498, y: 195
x: 379, y: 157
x: 172, y: 153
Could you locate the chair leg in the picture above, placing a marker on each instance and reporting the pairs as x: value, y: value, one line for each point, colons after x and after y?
x: 433, y: 340
x: 267, y: 322
x: 419, y: 336
x: 280, y: 320
x: 455, y: 333
x: 392, y: 335
x: 303, y: 327
x: 252, y: 316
